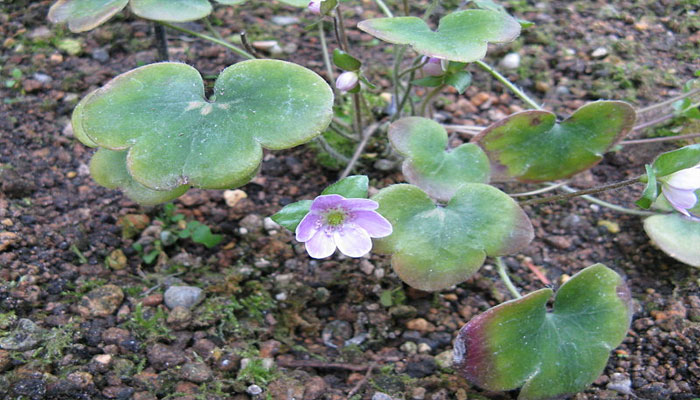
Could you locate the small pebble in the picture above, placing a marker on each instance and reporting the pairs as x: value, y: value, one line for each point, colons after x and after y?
x: 254, y: 390
x: 600, y: 52
x: 510, y: 61
x: 183, y: 296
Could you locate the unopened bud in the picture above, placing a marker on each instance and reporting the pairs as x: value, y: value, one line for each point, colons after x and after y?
x: 315, y: 6
x: 433, y: 67
x: 347, y: 81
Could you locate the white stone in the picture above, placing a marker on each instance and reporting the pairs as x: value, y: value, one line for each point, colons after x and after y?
x: 510, y: 61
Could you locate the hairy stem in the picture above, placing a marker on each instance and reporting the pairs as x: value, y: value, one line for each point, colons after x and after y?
x: 605, y: 204
x: 395, y: 76
x: 327, y: 62
x: 431, y: 9
x: 661, y: 139
x: 669, y: 101
x: 161, y: 42
x: 384, y: 8
x: 228, y: 45
x: 578, y: 193
x: 428, y: 99
x: 506, y: 279
x: 524, y: 97
x: 359, y: 150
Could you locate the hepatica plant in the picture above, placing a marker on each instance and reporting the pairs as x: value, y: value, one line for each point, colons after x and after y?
x: 157, y: 134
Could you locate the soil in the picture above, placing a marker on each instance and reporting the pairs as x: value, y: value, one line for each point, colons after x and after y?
x: 83, y: 311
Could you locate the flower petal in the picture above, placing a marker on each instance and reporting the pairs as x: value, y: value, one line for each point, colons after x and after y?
x: 375, y: 225
x: 359, y: 204
x: 686, y: 179
x: 326, y: 201
x: 308, y: 227
x: 321, y: 245
x: 681, y: 200
x: 352, y: 241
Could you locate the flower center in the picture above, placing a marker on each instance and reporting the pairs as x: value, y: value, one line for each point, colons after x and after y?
x: 335, y: 218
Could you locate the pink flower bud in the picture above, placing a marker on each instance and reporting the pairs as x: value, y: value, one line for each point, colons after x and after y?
x: 315, y: 6
x: 433, y: 67
x: 347, y: 81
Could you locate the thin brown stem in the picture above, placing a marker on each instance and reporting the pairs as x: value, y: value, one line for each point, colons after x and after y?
x: 246, y: 44
x: 322, y: 365
x: 653, y: 122
x: 669, y: 101
x: 424, y: 107
x: 661, y: 139
x: 566, y: 196
x: 359, y: 150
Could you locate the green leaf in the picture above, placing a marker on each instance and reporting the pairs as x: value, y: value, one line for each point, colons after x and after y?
x: 461, y: 36
x: 676, y: 160
x: 83, y: 15
x: 175, y: 136
x: 171, y: 10
x: 549, y: 354
x: 291, y: 215
x: 352, y: 186
x: 202, y: 234
x: 428, y: 164
x: 435, y: 247
x: 459, y: 80
x: 651, y: 191
x: 345, y: 61
x: 327, y: 6
x: 429, y: 81
x: 676, y: 236
x: 108, y: 168
x: 531, y: 146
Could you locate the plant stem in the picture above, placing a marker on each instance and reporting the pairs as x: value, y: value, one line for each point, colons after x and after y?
x: 246, y: 44
x: 431, y: 9
x: 211, y: 29
x: 395, y: 76
x: 331, y: 151
x: 161, y: 42
x: 405, y: 7
x: 228, y: 45
x: 578, y: 193
x: 506, y: 279
x: 340, y: 25
x: 549, y: 188
x: 661, y: 139
x: 428, y: 99
x: 327, y: 62
x: 653, y: 122
x: 605, y: 204
x: 524, y: 97
x: 384, y: 8
x: 669, y: 101
x: 358, y: 150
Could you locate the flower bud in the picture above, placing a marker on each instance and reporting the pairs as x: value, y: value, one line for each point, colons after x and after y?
x: 347, y: 81
x: 315, y: 6
x: 433, y: 67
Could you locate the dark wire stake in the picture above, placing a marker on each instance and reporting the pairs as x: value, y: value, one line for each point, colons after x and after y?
x: 246, y: 44
x: 161, y: 41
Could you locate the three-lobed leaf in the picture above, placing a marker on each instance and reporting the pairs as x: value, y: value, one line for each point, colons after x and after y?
x: 531, y: 146
x: 460, y: 36
x: 676, y: 236
x: 549, y: 354
x: 174, y: 136
x: 434, y: 247
x: 108, y: 168
x: 429, y: 165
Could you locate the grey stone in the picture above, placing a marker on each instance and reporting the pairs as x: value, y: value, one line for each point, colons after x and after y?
x: 196, y: 372
x: 100, y: 54
x: 254, y: 390
x: 183, y: 296
x: 381, y: 396
x: 284, y: 20
x: 26, y: 336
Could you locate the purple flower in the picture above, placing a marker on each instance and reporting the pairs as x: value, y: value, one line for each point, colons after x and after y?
x: 347, y: 81
x: 348, y: 224
x: 679, y: 189
x: 433, y: 67
x: 315, y: 6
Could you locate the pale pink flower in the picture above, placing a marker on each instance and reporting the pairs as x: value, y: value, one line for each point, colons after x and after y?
x: 315, y: 6
x: 679, y: 189
x: 348, y: 224
x: 433, y: 67
x: 347, y: 81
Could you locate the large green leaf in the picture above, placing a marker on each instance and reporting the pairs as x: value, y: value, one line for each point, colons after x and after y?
x: 676, y: 236
x: 83, y: 15
x: 428, y: 164
x: 435, y: 247
x: 171, y: 10
x: 531, y: 146
x: 175, y: 136
x: 548, y: 354
x: 461, y: 36
x: 108, y: 168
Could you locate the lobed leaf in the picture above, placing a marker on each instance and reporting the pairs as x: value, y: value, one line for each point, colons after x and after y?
x: 461, y: 36
x: 175, y: 136
x: 435, y: 247
x: 83, y: 15
x: 676, y: 236
x: 549, y: 354
x: 171, y: 10
x: 108, y: 168
x: 531, y: 146
x: 428, y: 165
